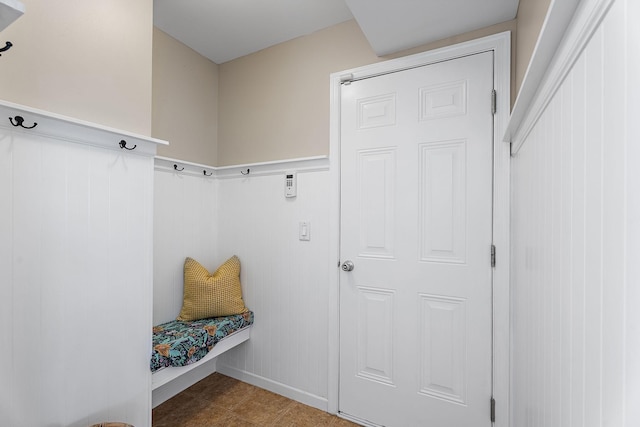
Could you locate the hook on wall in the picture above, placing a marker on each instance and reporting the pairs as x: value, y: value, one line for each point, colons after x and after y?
x: 6, y: 47
x: 123, y: 144
x: 204, y: 172
x: 19, y: 122
x: 175, y: 166
x: 247, y: 172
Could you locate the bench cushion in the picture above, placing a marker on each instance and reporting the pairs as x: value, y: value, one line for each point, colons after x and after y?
x: 180, y: 343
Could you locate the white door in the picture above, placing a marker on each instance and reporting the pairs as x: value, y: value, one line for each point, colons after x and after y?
x: 416, y: 215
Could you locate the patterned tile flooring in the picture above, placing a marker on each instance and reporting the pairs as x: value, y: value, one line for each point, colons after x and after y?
x: 219, y: 400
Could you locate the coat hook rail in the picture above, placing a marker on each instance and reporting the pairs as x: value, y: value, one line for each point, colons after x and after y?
x: 247, y: 172
x: 175, y: 166
x: 204, y: 172
x: 123, y: 144
x: 19, y: 122
x: 6, y: 47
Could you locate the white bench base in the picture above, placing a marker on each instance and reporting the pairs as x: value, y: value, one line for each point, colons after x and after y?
x: 170, y: 381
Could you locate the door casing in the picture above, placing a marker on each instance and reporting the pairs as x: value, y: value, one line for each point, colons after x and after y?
x: 500, y: 45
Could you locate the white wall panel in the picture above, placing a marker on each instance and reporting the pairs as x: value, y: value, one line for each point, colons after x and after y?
x: 632, y: 224
x: 285, y: 281
x: 80, y: 280
x: 575, y: 213
x: 75, y: 274
x: 185, y: 224
x: 6, y: 272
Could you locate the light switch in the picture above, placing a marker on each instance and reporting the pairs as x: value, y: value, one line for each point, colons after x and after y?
x: 304, y: 230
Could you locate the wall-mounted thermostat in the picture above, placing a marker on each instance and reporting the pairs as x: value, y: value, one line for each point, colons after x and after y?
x: 290, y: 184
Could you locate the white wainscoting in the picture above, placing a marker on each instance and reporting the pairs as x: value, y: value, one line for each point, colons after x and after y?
x: 576, y: 235
x: 185, y: 225
x: 75, y: 273
x: 285, y: 281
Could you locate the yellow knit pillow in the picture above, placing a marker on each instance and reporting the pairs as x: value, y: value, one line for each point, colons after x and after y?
x: 211, y: 295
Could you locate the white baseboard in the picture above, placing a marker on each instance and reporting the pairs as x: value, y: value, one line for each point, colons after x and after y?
x: 275, y: 387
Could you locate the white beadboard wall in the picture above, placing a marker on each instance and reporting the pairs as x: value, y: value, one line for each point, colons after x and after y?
x: 75, y: 273
x: 575, y: 240
x: 285, y: 281
x: 185, y: 219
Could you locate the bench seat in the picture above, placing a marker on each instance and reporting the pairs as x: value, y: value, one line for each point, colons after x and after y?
x: 179, y: 343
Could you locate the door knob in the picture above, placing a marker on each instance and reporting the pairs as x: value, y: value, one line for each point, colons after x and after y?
x: 347, y: 265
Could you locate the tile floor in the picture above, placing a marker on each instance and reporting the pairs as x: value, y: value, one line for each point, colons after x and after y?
x: 219, y: 400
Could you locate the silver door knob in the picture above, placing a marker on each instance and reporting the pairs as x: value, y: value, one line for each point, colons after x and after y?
x: 347, y: 265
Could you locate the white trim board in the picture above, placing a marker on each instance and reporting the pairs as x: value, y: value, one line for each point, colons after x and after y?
x: 500, y: 45
x: 275, y: 387
x: 305, y: 164
x: 550, y: 65
x: 183, y: 167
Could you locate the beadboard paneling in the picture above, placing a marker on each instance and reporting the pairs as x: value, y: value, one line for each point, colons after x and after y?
x: 285, y: 281
x: 75, y: 281
x: 7, y: 395
x: 575, y: 201
x: 185, y: 225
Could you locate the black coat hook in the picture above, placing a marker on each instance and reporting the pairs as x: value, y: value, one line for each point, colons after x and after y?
x: 6, y: 47
x: 204, y: 172
x: 247, y: 172
x: 123, y: 144
x: 20, y: 121
x: 176, y: 168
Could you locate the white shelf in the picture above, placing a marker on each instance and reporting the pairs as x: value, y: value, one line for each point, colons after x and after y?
x: 52, y: 125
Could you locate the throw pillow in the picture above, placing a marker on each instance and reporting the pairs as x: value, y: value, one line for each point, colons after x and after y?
x: 211, y: 295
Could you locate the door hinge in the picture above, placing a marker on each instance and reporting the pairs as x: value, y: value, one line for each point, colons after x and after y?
x: 493, y: 255
x: 493, y: 101
x: 493, y: 410
x: 346, y: 79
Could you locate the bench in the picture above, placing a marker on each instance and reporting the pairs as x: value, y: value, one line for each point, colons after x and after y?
x: 180, y: 348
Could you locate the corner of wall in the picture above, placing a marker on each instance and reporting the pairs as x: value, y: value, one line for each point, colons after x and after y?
x: 185, y: 101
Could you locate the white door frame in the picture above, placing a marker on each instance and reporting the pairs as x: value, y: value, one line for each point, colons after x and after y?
x: 500, y: 44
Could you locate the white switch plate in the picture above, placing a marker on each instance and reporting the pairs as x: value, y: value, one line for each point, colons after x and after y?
x: 304, y: 230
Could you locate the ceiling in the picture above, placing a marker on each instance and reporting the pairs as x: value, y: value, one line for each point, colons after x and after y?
x: 222, y: 30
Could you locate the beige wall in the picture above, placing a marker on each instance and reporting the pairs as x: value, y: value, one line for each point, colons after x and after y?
x: 85, y: 59
x: 274, y: 104
x: 185, y: 101
x: 483, y: 32
x: 93, y: 61
x: 531, y: 15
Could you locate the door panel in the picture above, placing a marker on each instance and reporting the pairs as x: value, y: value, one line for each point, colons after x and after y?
x: 375, y: 335
x: 416, y: 193
x: 443, y: 346
x: 442, y: 192
x: 376, y: 181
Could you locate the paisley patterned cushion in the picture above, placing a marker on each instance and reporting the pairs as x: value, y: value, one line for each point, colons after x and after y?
x: 180, y: 343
